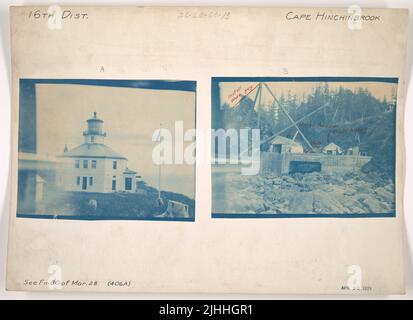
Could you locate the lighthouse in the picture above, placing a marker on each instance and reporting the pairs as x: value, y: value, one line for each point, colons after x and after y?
x: 93, y: 166
x: 94, y: 132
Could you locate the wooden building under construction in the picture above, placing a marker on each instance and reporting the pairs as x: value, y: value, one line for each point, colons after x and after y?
x: 286, y: 157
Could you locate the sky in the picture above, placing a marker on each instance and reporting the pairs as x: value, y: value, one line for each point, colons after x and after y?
x: 130, y: 115
x: 227, y: 89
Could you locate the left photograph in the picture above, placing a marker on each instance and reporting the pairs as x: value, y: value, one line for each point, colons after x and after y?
x: 106, y: 149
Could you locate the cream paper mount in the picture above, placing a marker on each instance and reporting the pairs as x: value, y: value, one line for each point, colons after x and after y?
x: 306, y: 197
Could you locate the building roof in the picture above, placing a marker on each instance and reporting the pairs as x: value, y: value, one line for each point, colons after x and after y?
x: 178, y: 203
x: 332, y: 146
x: 95, y: 118
x: 39, y: 179
x: 129, y: 171
x: 284, y: 140
x: 92, y: 150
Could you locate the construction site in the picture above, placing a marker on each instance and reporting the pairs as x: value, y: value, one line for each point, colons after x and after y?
x: 288, y: 156
x: 297, y: 176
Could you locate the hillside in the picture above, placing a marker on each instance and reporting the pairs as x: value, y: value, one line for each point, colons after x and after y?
x: 142, y: 204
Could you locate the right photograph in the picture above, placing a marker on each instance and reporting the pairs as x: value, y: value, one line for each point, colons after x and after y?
x: 303, y: 147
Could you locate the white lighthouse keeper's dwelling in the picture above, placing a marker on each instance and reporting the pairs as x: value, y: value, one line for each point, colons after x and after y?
x: 93, y: 166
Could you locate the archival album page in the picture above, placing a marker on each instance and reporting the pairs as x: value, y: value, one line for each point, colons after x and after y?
x: 207, y: 150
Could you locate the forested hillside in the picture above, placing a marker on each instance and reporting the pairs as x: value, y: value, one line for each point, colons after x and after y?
x: 345, y: 117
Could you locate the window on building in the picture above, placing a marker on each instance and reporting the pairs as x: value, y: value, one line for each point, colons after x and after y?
x: 92, y: 139
x: 78, y: 181
x: 115, y: 165
x: 77, y: 163
x: 85, y: 164
x: 128, y: 183
x: 114, y: 185
x: 93, y: 164
x: 90, y: 181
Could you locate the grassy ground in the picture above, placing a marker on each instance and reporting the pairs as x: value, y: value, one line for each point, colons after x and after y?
x: 142, y: 204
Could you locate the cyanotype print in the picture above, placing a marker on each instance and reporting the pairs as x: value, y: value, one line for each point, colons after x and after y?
x: 87, y: 149
x: 303, y: 147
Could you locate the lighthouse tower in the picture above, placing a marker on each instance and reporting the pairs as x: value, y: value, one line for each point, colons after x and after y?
x: 94, y: 132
